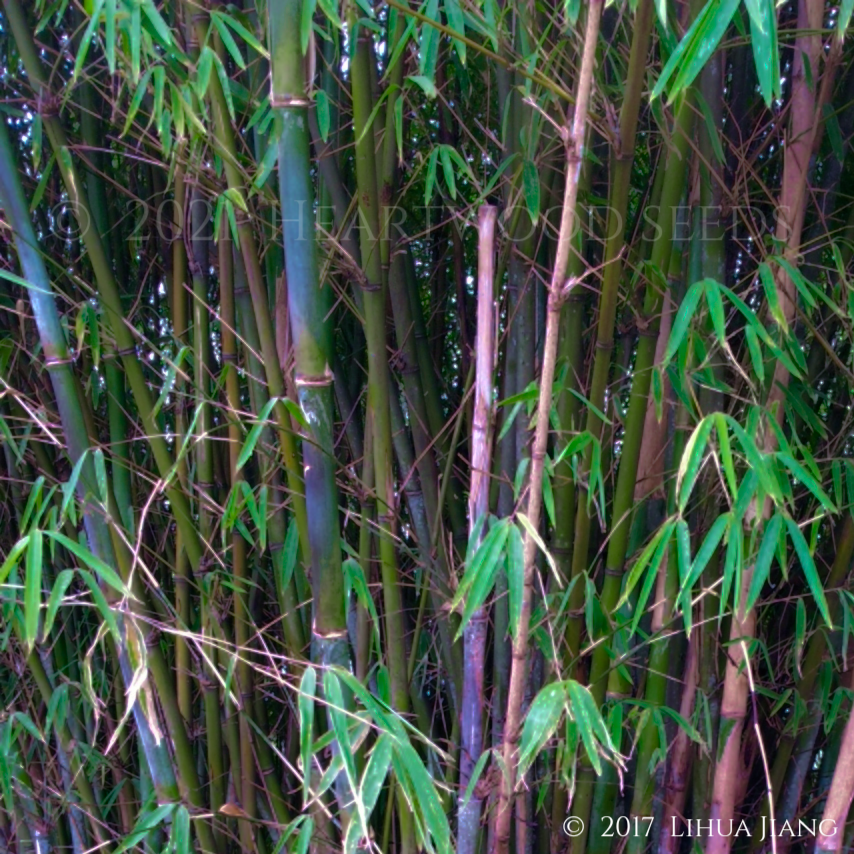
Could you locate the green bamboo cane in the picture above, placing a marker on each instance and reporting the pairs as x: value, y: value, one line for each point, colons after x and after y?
x: 622, y: 159
x: 616, y: 554
x: 68, y: 402
x: 180, y: 327
x: 374, y: 295
x: 200, y: 237
x: 107, y: 287
x: 226, y: 146
x: 241, y: 614
x: 308, y: 304
x: 92, y: 134
x: 378, y: 390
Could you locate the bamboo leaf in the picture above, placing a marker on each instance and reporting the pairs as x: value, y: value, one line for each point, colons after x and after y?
x: 33, y: 589
x: 429, y: 43
x: 591, y: 726
x: 514, y: 562
x: 86, y: 40
x: 762, y: 567
x: 801, y: 632
x: 255, y: 433
x: 808, y: 566
x: 635, y: 573
x: 228, y: 39
x: 692, y: 460
x: 541, y: 722
x: 535, y: 536
x: 683, y: 320
x: 375, y: 772
x: 763, y: 38
x: 696, y: 47
x: 454, y: 14
x: 101, y: 604
x: 60, y: 586
x: 321, y: 102
x: 531, y: 184
x: 475, y: 776
x: 307, y: 689
x: 801, y: 474
x: 101, y: 569
x: 425, y: 84
x: 144, y: 825
x: 13, y: 557
x: 479, y: 578
x: 306, y: 22
x: 245, y: 34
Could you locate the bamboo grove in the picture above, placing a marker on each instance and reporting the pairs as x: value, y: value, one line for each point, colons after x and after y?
x: 426, y: 426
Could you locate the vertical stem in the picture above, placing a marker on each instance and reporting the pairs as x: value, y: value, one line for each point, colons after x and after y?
x: 474, y: 636
x: 573, y: 137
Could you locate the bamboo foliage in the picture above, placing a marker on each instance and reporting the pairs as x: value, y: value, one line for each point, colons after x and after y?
x: 443, y: 445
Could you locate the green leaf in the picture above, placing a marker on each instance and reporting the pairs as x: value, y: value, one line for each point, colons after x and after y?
x: 180, y: 836
x: 479, y: 577
x: 33, y: 589
x: 307, y: 690
x: 247, y: 36
x: 531, y: 184
x: 475, y: 776
x: 514, y: 562
x: 86, y: 39
x: 158, y: 25
x: 225, y: 83
x: 799, y: 472
x: 13, y: 557
x: 696, y: 47
x: 683, y: 320
x: 762, y: 567
x: 255, y: 433
x: 456, y: 21
x: 448, y: 170
x: 808, y: 565
x: 712, y: 130
x: 60, y: 586
x: 692, y: 460
x: 766, y: 54
x: 101, y: 569
x: 801, y: 633
x: 426, y: 84
x: 204, y: 66
x: 375, y: 772
x: 227, y: 39
x: 110, y: 35
x: 429, y: 43
x: 135, y: 37
x: 306, y: 20
x: 144, y: 825
x: 321, y: 102
x: 541, y: 721
x: 635, y: 573
x: 101, y: 603
x: 591, y: 725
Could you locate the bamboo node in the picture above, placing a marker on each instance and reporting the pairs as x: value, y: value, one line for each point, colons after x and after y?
x: 288, y: 101
x: 54, y: 362
x: 314, y: 382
